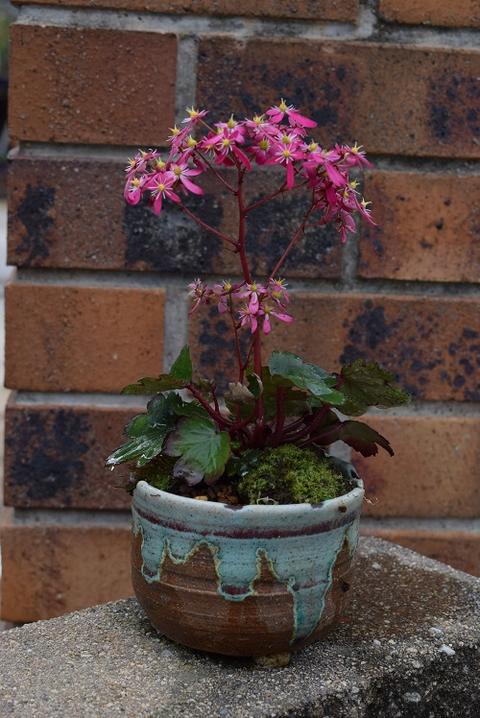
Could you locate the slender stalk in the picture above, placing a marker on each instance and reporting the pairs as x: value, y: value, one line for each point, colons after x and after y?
x: 280, y: 419
x: 326, y: 437
x: 206, y: 226
x: 221, y: 421
x: 296, y: 237
x: 215, y: 173
x: 312, y: 426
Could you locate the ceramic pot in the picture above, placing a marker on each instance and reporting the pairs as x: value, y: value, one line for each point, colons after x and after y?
x: 249, y: 581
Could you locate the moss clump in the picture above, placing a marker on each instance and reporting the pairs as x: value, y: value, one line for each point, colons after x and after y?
x: 290, y: 475
x: 158, y: 473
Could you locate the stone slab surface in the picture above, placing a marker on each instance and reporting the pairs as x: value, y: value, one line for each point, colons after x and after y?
x: 408, y: 646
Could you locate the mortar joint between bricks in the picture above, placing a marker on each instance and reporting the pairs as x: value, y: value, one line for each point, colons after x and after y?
x: 368, y: 26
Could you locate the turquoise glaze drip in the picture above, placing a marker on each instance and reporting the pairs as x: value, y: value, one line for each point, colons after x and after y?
x: 303, y: 563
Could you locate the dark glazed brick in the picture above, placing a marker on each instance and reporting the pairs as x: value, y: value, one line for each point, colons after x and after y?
x: 49, y: 227
x: 345, y: 10
x: 91, y: 86
x: 428, y: 227
x: 431, y: 344
x: 394, y: 99
x: 55, y: 456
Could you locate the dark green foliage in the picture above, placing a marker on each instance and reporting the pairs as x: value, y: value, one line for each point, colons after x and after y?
x: 367, y: 384
x: 289, y: 474
x: 310, y: 377
x: 268, y: 436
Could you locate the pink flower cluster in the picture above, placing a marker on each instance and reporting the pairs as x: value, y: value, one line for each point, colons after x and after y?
x: 277, y: 137
x: 258, y: 302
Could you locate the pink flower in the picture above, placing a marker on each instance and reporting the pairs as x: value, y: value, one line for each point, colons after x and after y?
x: 278, y: 112
x: 267, y: 327
x: 133, y: 190
x: 199, y: 293
x: 286, y: 152
x: 353, y: 156
x: 277, y: 291
x: 194, y: 116
x: 182, y: 172
x: 161, y: 186
x: 177, y: 137
x: 248, y: 319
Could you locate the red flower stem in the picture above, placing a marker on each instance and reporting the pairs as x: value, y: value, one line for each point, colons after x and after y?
x: 242, y: 234
x: 221, y: 421
x: 206, y: 226
x: 215, y: 173
x: 293, y: 426
x: 298, y: 234
x: 238, y: 349
x: 280, y: 421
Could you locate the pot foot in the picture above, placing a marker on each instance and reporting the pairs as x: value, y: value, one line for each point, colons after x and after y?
x: 275, y: 660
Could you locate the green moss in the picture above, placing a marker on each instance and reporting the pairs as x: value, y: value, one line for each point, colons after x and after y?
x: 290, y: 475
x: 158, y: 473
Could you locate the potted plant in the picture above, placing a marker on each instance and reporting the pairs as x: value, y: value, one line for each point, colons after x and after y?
x: 244, y: 525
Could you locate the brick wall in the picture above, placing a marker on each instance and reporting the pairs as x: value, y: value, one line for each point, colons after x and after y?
x: 99, y: 295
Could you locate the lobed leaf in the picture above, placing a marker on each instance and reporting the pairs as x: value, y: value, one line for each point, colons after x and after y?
x: 363, y: 438
x: 179, y: 376
x: 368, y: 384
x: 306, y: 376
x: 201, y: 446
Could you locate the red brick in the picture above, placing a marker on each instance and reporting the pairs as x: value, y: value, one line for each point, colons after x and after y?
x: 55, y: 456
x: 427, y: 227
x: 431, y: 343
x: 51, y: 570
x: 296, y: 9
x: 79, y: 338
x: 94, y: 86
x: 434, y: 472
x: 460, y: 549
x: 460, y: 13
x: 397, y: 99
x: 49, y: 227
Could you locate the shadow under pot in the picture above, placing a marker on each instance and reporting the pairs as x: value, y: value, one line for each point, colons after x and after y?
x: 243, y: 581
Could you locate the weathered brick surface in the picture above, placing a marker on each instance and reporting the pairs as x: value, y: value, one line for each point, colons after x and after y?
x: 460, y: 549
x: 428, y: 227
x: 82, y: 85
x: 294, y: 9
x: 459, y: 13
x: 51, y: 570
x: 397, y: 99
x: 434, y: 472
x: 431, y: 343
x: 49, y: 227
x: 81, y: 338
x: 55, y: 456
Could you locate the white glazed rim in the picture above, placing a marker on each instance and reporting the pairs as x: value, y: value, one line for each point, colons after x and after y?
x: 351, y: 501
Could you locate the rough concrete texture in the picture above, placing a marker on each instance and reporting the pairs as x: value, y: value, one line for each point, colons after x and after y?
x: 409, y: 646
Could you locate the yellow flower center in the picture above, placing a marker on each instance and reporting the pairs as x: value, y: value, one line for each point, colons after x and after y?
x: 175, y: 131
x: 192, y: 112
x: 354, y: 184
x: 177, y: 170
x: 258, y: 119
x: 285, y: 139
x: 191, y: 142
x: 226, y: 142
x: 160, y: 164
x: 312, y: 147
x: 286, y: 153
x: 161, y: 186
x: 231, y: 123
x: 264, y: 144
x: 136, y: 182
x: 283, y: 105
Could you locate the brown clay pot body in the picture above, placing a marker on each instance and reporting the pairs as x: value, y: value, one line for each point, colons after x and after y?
x: 248, y: 581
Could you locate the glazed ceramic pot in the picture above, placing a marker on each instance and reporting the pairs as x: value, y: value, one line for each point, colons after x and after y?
x: 248, y: 581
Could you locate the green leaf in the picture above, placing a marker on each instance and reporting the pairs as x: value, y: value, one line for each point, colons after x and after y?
x: 147, y: 432
x: 363, y: 438
x: 295, y: 402
x: 368, y: 384
x: 154, y: 385
x: 182, y: 367
x: 202, y: 447
x: 179, y: 376
x: 305, y: 376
